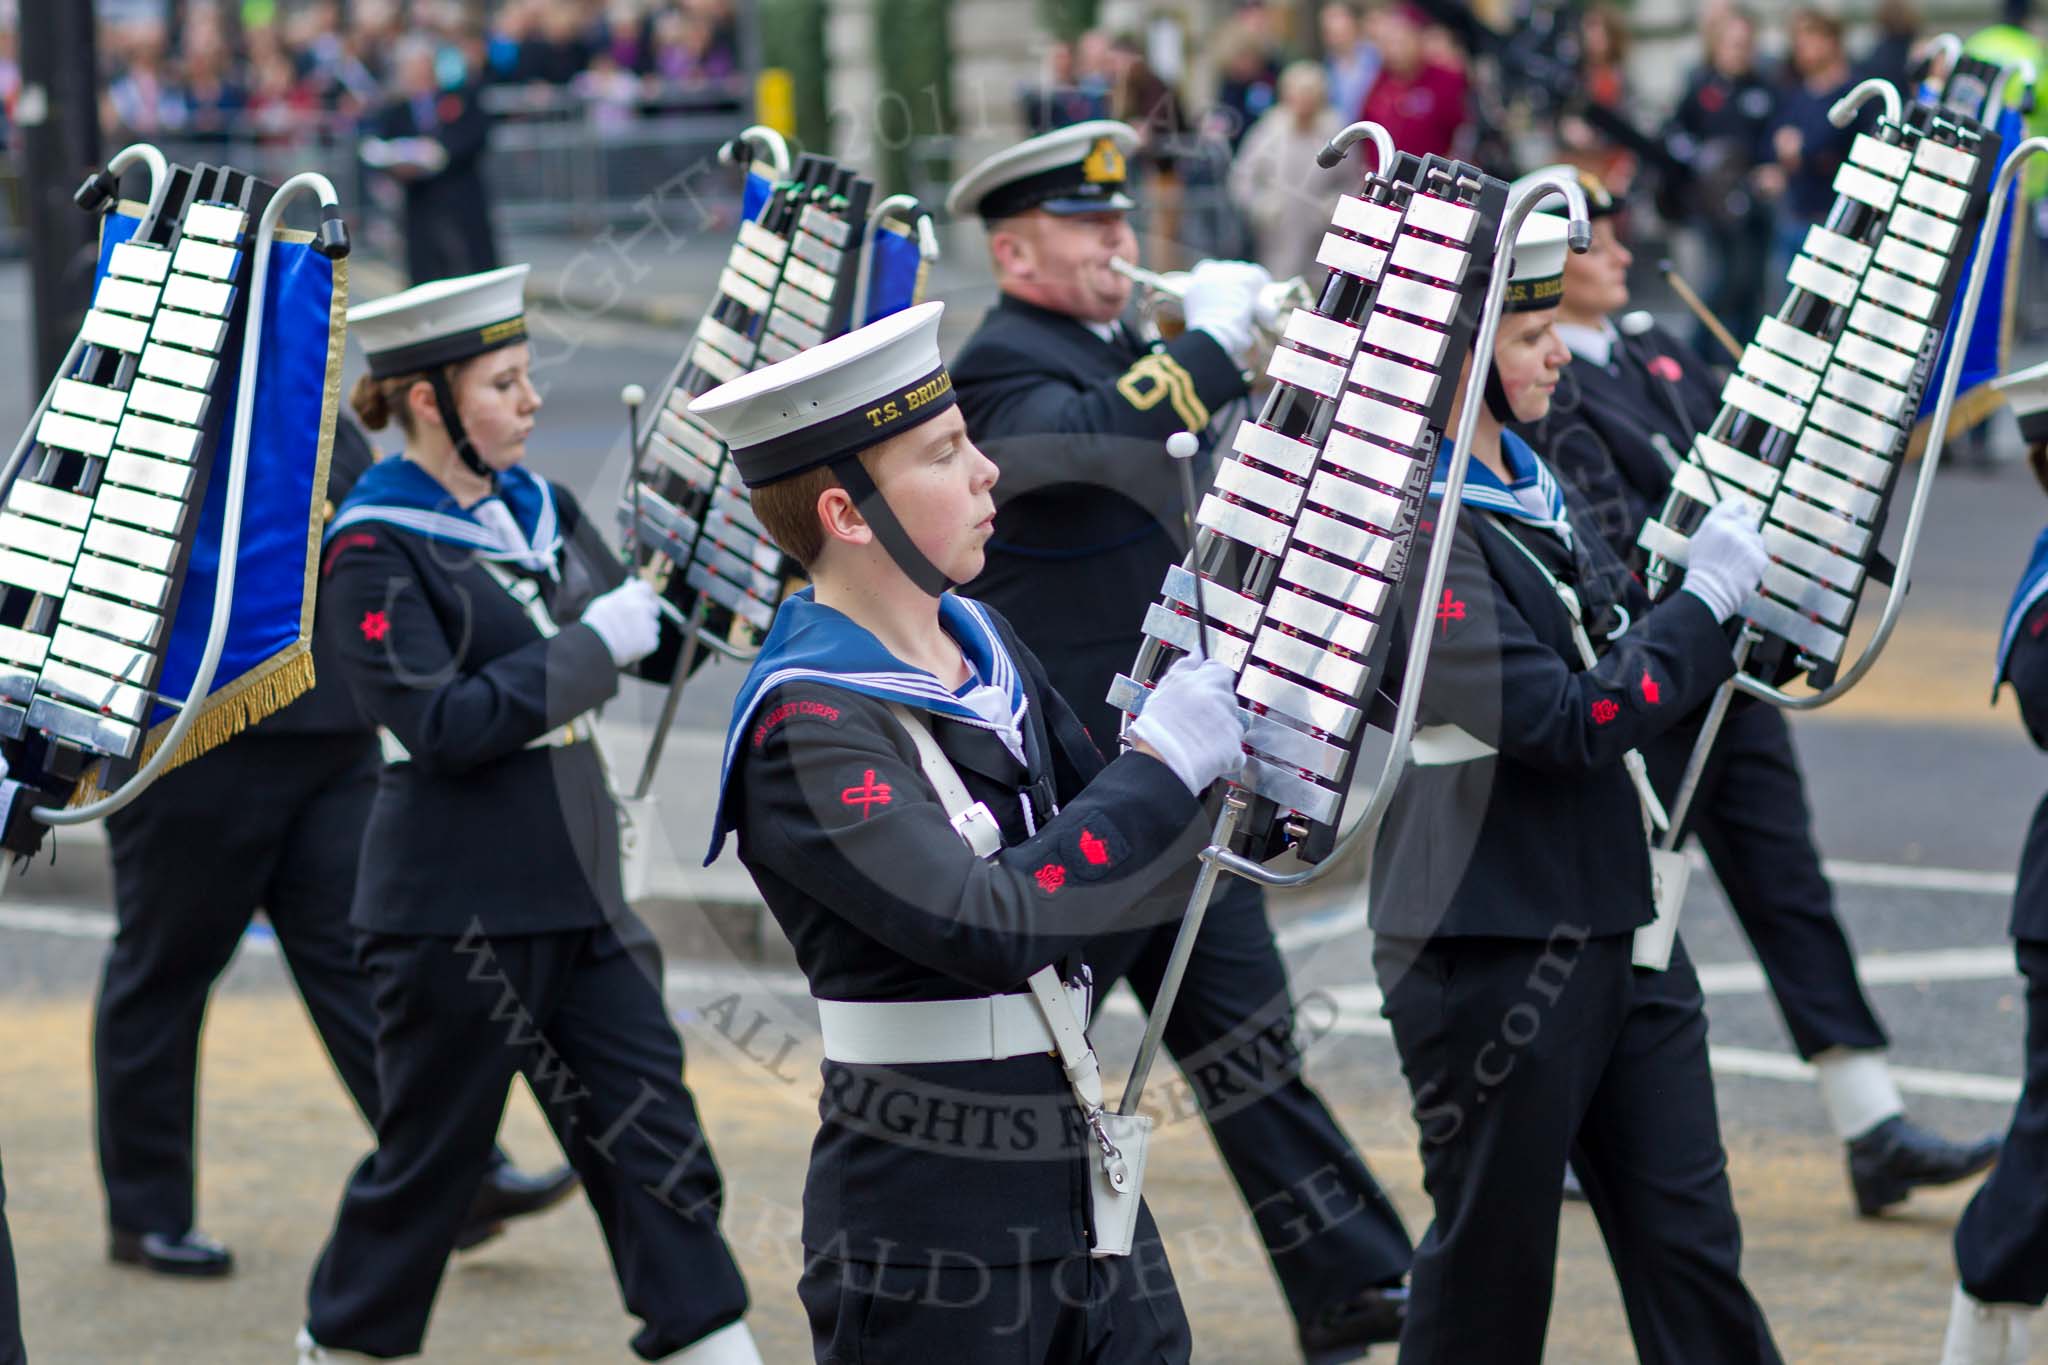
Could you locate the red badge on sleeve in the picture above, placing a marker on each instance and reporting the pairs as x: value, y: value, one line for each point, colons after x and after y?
x: 1093, y: 849
x: 1449, y: 610
x: 866, y: 794
x: 1651, y: 692
x: 376, y: 625
x: 1605, y: 710
x: 1050, y: 878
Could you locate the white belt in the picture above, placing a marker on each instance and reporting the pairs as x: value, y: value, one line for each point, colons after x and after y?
x: 905, y: 1032
x: 1441, y: 746
x: 577, y: 731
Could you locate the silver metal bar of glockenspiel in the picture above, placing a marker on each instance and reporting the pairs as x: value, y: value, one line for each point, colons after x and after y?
x: 1909, y: 541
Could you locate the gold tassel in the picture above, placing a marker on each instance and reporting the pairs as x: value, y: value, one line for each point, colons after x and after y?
x: 224, y: 715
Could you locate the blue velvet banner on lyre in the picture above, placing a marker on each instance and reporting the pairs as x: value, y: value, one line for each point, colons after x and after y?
x: 898, y: 267
x: 1984, y: 356
x: 266, y: 661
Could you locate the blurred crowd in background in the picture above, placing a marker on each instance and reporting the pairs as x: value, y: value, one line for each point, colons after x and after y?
x: 311, y: 74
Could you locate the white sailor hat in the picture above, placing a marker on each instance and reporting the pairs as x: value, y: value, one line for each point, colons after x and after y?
x: 1537, y: 280
x: 2027, y: 391
x: 834, y: 400
x: 1076, y: 169
x: 1600, y: 201
x: 441, y: 322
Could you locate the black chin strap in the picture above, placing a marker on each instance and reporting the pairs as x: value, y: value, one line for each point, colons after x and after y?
x: 444, y: 396
x: 1497, y: 398
x: 853, y: 477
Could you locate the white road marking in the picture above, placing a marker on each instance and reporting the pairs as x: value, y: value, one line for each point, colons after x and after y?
x: 1338, y: 921
x: 1357, y: 1006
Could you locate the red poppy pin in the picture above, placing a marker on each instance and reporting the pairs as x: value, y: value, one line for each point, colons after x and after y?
x: 1666, y: 369
x: 376, y: 625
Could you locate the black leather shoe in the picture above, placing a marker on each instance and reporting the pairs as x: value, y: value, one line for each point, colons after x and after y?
x: 1369, y: 1318
x: 1889, y: 1161
x: 193, y: 1254
x: 507, y: 1193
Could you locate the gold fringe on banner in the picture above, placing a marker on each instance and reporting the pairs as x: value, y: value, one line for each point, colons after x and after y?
x: 235, y: 705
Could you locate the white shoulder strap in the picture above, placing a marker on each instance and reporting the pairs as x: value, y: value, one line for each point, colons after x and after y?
x: 972, y: 820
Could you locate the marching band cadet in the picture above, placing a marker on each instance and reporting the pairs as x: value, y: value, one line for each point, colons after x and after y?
x: 2002, y: 1240
x: 194, y: 859
x: 1074, y: 410
x: 479, y: 619
x: 1626, y: 411
x: 1509, y: 880
x: 938, y: 838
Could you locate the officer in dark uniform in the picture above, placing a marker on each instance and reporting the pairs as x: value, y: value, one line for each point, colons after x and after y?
x: 1509, y: 881
x: 2002, y: 1240
x: 1626, y: 410
x: 273, y: 821
x: 478, y: 618
x: 1074, y: 411
x: 432, y: 139
x: 939, y: 838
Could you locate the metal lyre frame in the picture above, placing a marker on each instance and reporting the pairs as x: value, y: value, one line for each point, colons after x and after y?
x: 333, y: 242
x: 1218, y: 857
x: 697, y: 637
x: 1909, y: 541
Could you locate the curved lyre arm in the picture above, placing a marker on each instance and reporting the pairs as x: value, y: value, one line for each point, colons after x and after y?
x: 1438, y: 567
x: 763, y: 142
x: 2018, y: 69
x: 1845, y: 109
x: 231, y: 517
x: 159, y: 184
x: 1382, y: 145
x: 1951, y: 377
x: 906, y: 209
x: 1947, y: 50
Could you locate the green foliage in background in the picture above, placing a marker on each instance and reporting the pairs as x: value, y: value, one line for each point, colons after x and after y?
x: 793, y: 38
x: 914, y: 58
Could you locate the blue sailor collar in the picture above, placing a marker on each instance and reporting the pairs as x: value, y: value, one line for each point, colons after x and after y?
x: 1483, y: 488
x: 399, y: 493
x: 810, y: 642
x: 2032, y: 586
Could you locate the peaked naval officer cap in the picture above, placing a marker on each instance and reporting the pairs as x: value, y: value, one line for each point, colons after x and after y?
x: 1077, y: 169
x: 2027, y: 391
x: 1600, y: 201
x: 1537, y: 280
x: 441, y: 322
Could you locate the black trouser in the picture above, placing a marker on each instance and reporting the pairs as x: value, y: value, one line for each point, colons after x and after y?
x: 1753, y: 824
x: 1119, y: 1310
x: 12, y: 1352
x: 581, y: 1015
x: 2002, y: 1240
x: 269, y: 822
x: 1328, y: 1228
x: 1520, y: 1055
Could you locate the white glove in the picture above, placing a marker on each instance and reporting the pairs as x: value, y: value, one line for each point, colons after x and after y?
x: 1727, y: 558
x: 628, y: 620
x: 1192, y: 721
x: 1222, y: 299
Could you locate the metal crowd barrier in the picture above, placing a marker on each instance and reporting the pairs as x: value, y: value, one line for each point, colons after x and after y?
x: 557, y: 161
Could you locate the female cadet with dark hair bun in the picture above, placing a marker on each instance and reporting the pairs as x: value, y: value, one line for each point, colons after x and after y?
x: 480, y: 620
